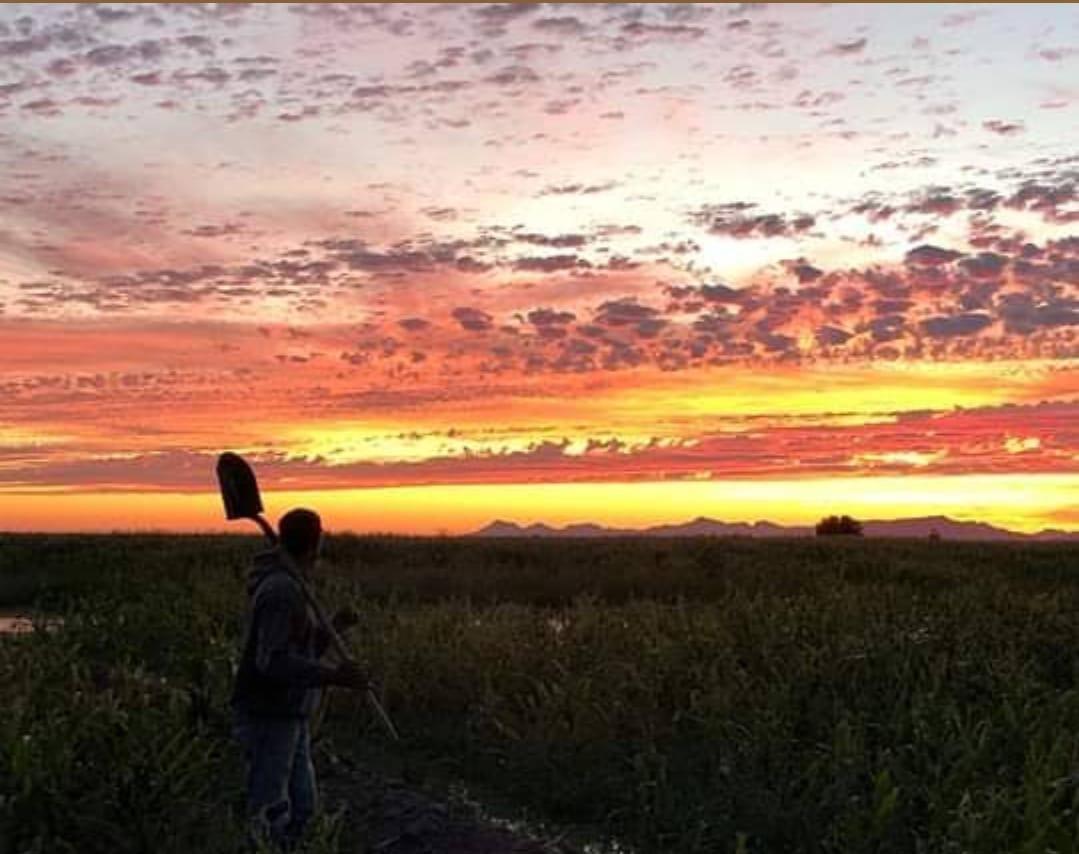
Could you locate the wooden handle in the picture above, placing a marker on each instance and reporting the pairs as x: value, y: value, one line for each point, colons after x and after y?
x: 267, y: 529
x: 335, y: 639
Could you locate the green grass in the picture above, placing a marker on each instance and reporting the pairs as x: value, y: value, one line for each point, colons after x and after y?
x: 681, y: 696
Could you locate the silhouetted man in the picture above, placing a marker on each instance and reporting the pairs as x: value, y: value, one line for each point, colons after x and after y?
x: 278, y: 681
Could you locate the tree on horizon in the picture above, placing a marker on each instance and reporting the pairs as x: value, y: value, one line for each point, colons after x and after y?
x: 839, y: 526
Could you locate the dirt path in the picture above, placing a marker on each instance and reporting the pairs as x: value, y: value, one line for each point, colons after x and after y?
x: 387, y: 817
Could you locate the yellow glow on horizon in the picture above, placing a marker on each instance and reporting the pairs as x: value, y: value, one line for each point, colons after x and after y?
x: 636, y: 408
x: 1018, y: 502
x: 15, y: 435
x: 914, y: 459
x: 343, y: 443
x: 1017, y: 445
x: 866, y: 389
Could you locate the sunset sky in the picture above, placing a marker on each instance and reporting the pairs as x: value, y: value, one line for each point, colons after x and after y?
x: 430, y: 265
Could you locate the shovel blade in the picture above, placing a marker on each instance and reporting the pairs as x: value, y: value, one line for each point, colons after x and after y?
x: 239, y: 489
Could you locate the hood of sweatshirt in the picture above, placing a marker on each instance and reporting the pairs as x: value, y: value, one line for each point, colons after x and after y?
x: 266, y: 563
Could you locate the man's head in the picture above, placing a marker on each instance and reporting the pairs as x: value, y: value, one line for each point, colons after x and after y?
x: 301, y: 531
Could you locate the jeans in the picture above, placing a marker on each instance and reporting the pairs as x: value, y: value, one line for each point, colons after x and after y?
x: 282, y: 795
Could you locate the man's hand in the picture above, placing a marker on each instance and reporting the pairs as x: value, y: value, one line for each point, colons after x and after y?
x: 344, y: 619
x: 349, y: 674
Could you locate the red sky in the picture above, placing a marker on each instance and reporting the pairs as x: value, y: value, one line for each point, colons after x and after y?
x: 433, y: 264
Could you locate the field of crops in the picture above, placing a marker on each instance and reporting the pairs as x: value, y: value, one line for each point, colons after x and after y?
x: 690, y: 696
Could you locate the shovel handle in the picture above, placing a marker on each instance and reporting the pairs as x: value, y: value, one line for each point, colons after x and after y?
x: 335, y: 639
x: 267, y: 528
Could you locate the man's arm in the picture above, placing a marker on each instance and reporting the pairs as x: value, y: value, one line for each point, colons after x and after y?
x: 273, y: 657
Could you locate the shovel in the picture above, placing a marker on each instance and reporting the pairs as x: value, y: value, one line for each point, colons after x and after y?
x: 240, y: 492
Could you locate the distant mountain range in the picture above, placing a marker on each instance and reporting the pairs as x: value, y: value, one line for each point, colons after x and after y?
x: 945, y: 528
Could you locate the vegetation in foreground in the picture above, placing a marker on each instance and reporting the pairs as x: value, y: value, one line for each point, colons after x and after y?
x: 680, y: 696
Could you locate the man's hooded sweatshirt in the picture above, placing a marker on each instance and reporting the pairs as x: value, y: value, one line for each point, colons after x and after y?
x: 279, y: 674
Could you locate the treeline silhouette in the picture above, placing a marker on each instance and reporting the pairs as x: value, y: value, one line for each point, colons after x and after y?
x: 839, y: 526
